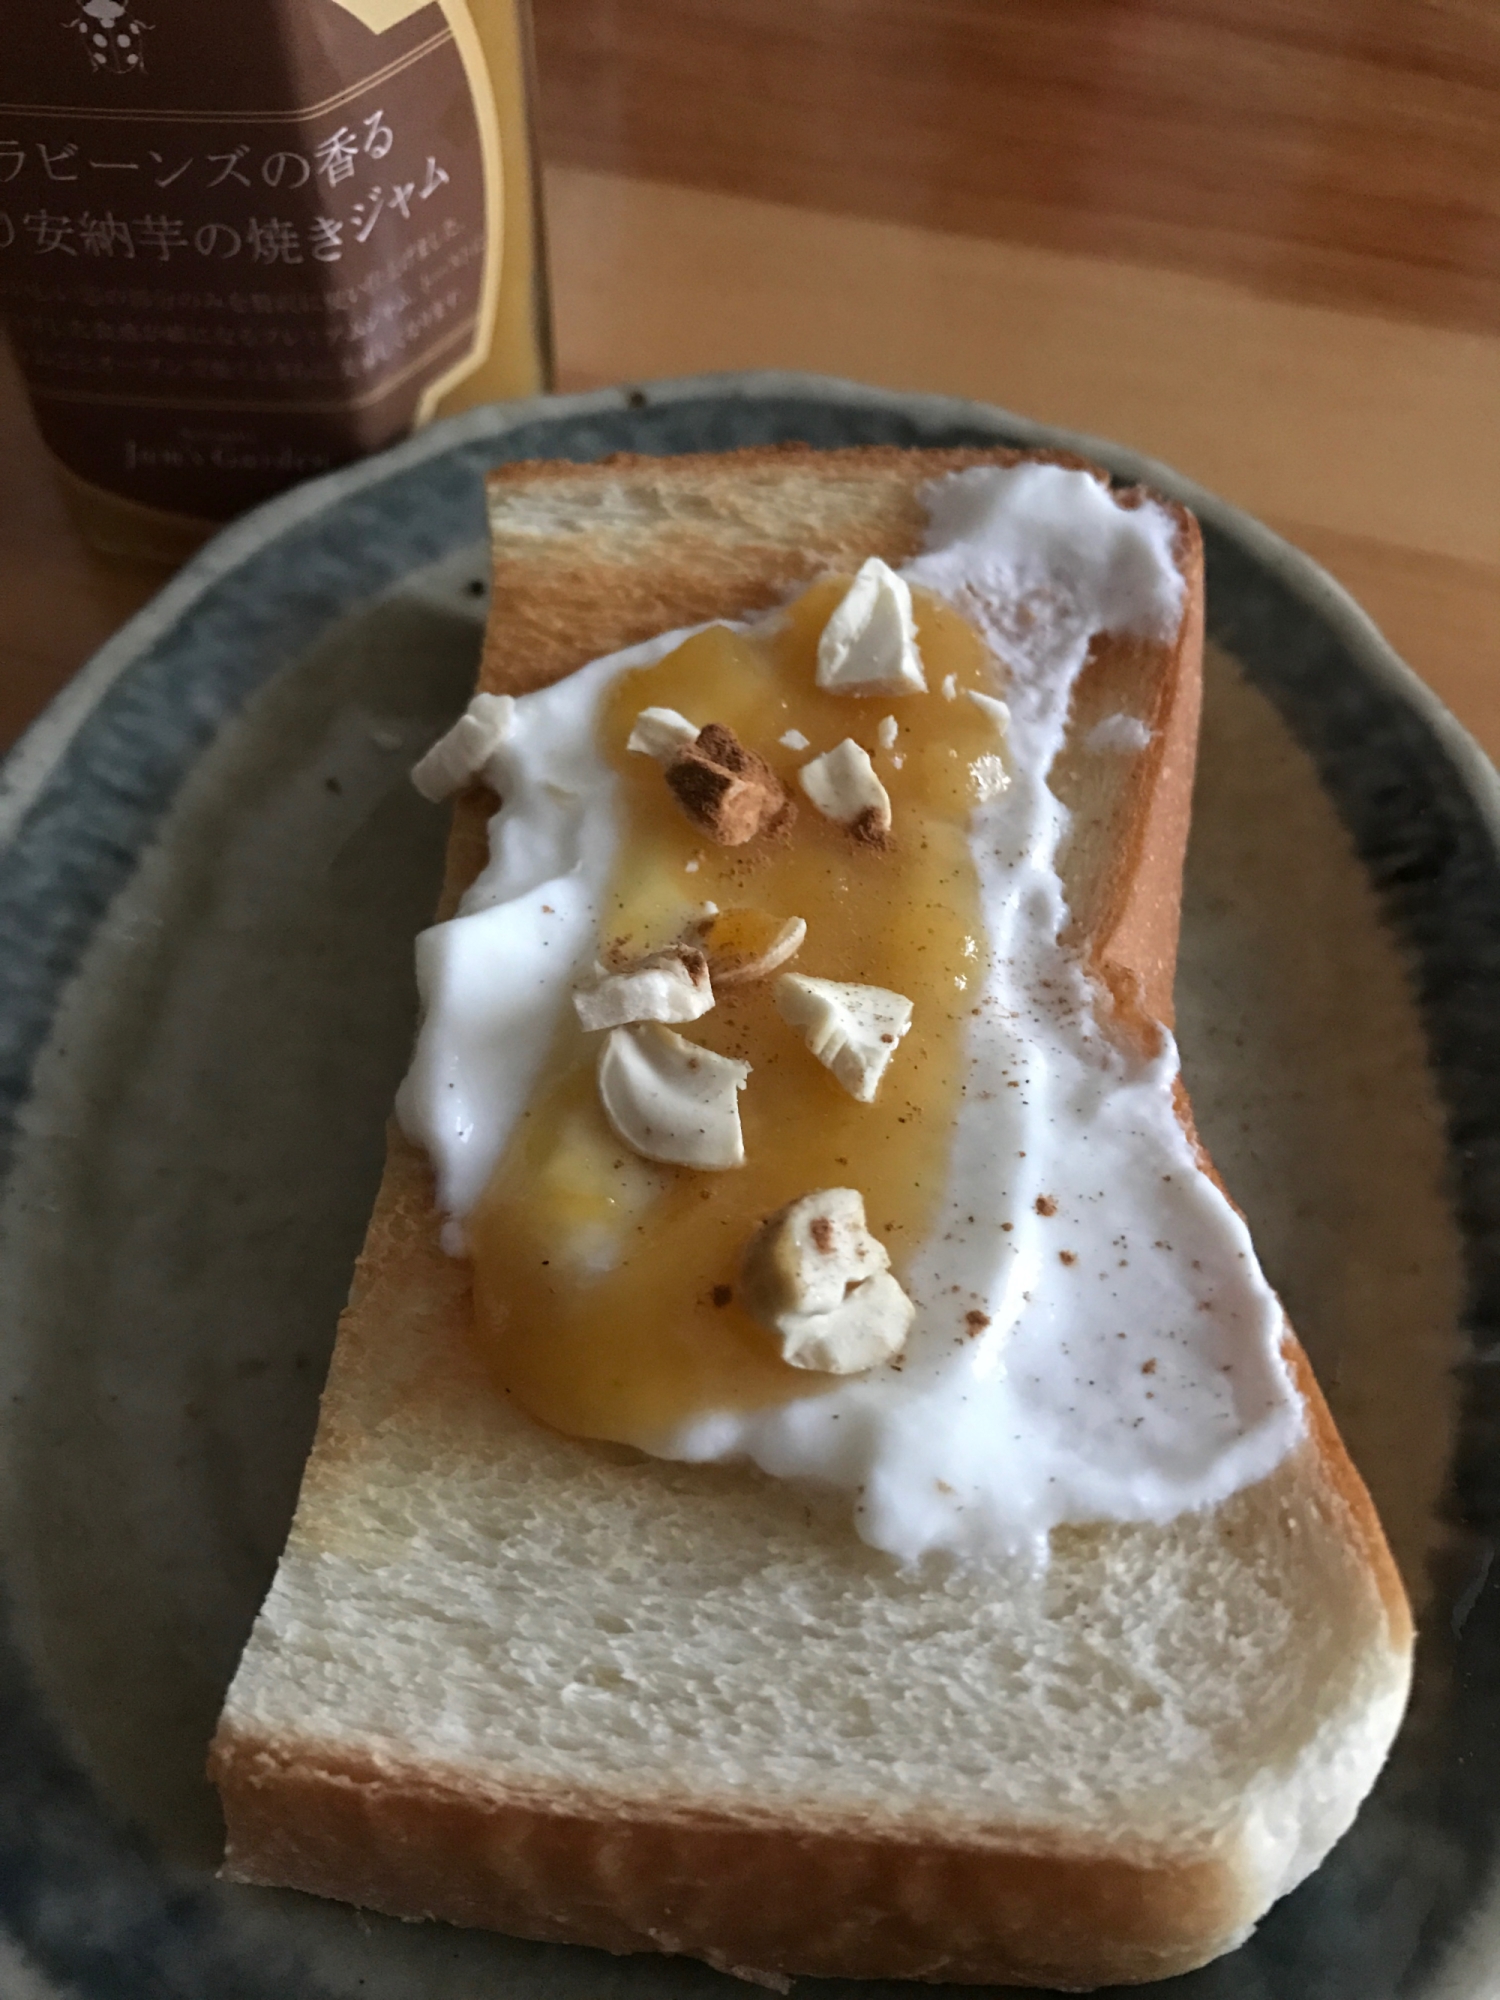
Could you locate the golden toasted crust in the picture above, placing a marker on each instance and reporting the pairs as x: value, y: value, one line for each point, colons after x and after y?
x: 744, y: 1896
x: 737, y: 533
x: 741, y: 538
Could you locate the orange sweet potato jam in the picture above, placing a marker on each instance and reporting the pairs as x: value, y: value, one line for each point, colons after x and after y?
x: 604, y: 1283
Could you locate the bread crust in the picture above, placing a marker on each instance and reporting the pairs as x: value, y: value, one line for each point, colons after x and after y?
x: 748, y: 1897
x: 777, y: 1896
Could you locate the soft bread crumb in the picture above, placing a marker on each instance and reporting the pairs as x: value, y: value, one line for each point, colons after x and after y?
x: 515, y: 1679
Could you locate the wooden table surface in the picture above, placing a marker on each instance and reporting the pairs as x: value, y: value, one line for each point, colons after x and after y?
x: 1257, y: 238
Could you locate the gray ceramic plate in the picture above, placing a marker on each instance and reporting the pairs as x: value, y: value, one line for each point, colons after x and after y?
x: 211, y: 868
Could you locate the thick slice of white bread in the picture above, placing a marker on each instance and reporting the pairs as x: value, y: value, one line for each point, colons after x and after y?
x: 510, y: 1679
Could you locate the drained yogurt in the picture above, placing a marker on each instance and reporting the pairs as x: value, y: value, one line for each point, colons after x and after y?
x: 1094, y: 1338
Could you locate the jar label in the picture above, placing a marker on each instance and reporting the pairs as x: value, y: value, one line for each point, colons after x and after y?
x: 240, y: 246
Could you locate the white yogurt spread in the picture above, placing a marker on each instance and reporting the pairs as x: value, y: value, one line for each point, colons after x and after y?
x: 1129, y: 1366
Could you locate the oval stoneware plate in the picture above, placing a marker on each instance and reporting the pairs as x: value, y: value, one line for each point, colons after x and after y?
x: 211, y: 870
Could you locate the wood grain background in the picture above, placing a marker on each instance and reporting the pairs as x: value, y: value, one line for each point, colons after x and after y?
x: 1340, y: 151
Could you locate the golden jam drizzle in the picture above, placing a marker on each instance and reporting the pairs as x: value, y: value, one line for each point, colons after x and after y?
x: 604, y: 1283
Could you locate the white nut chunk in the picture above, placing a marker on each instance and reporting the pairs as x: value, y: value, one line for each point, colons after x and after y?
x: 461, y: 755
x: 815, y: 1277
x: 843, y: 786
x: 671, y: 985
x: 670, y: 1100
x: 852, y: 1030
x: 746, y: 944
x: 869, y: 645
x: 661, y: 733
x: 991, y: 705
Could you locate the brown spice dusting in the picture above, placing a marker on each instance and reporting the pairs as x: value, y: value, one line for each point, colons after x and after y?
x: 821, y: 1231
x: 694, y: 962
x: 871, y: 828
x: 718, y: 742
x: 727, y: 790
x: 1067, y: 1257
x: 1148, y: 1367
x: 1046, y: 1204
x: 722, y: 1294
x: 976, y: 1321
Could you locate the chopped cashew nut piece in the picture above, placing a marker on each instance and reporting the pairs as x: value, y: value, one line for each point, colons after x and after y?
x: 668, y: 985
x: 668, y: 1099
x: 843, y: 786
x: 793, y: 739
x: 460, y: 756
x: 988, y: 704
x: 742, y: 945
x: 815, y: 1277
x: 950, y: 687
x: 852, y: 1030
x: 887, y: 733
x: 730, y: 792
x: 661, y: 733
x: 869, y: 645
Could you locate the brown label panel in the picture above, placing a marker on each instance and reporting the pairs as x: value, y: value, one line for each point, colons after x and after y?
x: 235, y: 245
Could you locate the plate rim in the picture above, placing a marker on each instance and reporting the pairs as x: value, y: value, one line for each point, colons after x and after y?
x: 36, y: 758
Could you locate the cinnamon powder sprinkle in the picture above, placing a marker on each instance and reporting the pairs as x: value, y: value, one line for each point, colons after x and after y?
x: 726, y: 790
x: 871, y: 828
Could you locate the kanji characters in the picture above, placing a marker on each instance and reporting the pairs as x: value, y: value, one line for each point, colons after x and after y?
x: 103, y: 235
x: 99, y: 232
x: 161, y: 233
x: 52, y: 232
x: 336, y: 156
x: 274, y: 242
x: 334, y: 160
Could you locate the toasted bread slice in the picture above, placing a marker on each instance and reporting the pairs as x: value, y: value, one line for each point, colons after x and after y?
x: 510, y: 1679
